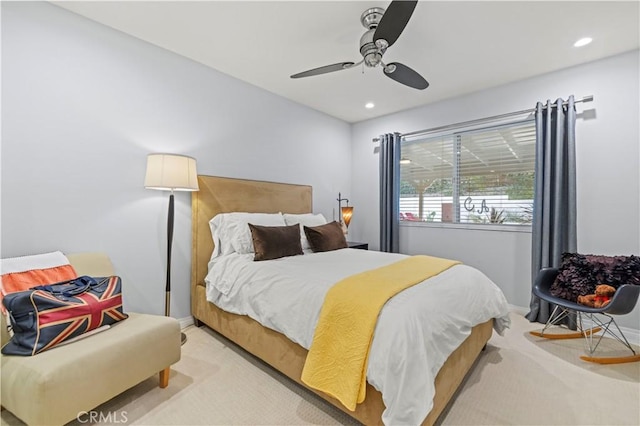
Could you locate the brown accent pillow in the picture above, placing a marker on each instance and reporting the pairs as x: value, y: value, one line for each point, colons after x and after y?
x: 325, y: 237
x: 274, y: 242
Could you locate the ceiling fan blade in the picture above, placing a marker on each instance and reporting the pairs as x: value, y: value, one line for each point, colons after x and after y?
x: 405, y: 75
x: 395, y: 18
x: 323, y: 70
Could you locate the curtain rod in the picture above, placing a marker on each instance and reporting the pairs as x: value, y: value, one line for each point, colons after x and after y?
x: 483, y: 120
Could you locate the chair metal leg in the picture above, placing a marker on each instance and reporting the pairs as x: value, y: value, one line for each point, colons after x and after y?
x: 626, y: 342
x: 557, y: 317
x: 551, y: 321
x: 588, y: 337
x: 620, y: 337
x: 597, y: 325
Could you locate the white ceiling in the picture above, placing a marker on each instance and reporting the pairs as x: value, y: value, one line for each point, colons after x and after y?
x: 459, y: 47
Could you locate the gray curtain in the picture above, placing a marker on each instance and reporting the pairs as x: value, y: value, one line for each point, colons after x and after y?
x: 389, y: 192
x: 554, y: 203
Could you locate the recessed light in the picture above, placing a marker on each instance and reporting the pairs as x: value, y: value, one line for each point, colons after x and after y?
x: 404, y: 160
x: 369, y: 105
x: 583, y: 42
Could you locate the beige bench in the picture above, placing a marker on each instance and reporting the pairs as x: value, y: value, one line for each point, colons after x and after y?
x: 58, y: 385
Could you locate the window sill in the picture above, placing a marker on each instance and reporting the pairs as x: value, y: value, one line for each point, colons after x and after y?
x: 470, y: 226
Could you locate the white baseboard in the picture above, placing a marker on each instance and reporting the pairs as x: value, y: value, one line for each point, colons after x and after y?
x: 518, y: 309
x: 632, y: 334
x: 185, y: 322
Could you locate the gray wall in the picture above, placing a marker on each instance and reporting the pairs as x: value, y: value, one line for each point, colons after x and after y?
x: 83, y: 105
x: 608, y: 161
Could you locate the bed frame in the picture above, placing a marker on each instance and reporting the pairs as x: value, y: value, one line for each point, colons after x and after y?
x: 224, y: 195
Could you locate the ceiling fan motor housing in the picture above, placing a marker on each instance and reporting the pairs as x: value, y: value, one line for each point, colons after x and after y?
x: 371, y: 53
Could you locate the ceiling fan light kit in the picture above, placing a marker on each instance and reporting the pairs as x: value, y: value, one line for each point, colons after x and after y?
x: 383, y: 29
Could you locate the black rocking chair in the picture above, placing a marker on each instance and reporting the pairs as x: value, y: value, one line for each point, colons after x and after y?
x: 622, y: 302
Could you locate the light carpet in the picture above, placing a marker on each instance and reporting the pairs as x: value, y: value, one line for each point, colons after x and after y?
x: 518, y: 380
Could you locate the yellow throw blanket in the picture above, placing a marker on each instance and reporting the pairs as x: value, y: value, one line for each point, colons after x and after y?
x: 337, y: 360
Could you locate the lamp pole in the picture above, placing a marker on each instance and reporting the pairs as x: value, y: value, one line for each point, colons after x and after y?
x: 167, y: 300
x: 340, y: 200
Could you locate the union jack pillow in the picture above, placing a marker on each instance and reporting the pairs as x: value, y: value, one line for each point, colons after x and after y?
x: 45, y: 317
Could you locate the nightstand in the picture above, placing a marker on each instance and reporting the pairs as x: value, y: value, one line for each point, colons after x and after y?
x: 356, y: 245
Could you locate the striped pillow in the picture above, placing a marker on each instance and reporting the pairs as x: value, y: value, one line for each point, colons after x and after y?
x: 22, y: 273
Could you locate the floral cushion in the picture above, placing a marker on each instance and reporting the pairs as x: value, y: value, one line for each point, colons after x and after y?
x: 579, y: 274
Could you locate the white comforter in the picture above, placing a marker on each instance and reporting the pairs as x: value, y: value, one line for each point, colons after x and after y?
x: 416, y: 332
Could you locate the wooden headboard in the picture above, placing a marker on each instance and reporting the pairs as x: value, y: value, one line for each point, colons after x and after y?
x: 225, y: 195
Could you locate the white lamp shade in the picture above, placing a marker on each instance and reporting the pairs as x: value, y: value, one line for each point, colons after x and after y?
x: 171, y: 172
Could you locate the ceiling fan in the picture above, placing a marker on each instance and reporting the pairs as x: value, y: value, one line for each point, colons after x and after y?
x: 383, y: 29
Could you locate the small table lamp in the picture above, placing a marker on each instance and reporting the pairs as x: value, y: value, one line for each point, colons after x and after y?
x: 345, y: 213
x: 169, y: 172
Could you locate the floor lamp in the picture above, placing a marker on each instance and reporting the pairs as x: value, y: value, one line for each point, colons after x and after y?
x: 169, y: 172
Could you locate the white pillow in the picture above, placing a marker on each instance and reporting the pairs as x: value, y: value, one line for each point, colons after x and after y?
x: 231, y: 233
x: 306, y: 219
x: 216, y: 226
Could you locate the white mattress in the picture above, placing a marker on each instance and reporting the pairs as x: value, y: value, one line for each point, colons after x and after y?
x: 416, y: 332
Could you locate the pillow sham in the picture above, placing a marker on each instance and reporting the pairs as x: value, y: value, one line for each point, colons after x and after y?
x: 579, y: 274
x: 326, y: 237
x: 274, y: 242
x: 230, y: 231
x: 306, y: 219
x: 216, y: 226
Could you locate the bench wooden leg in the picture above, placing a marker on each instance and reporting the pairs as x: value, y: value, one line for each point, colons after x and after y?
x: 164, y: 377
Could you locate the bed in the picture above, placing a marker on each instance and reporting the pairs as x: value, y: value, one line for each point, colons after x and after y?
x: 224, y: 195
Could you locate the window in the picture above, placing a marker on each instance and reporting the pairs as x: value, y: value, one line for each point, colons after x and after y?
x: 474, y: 176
